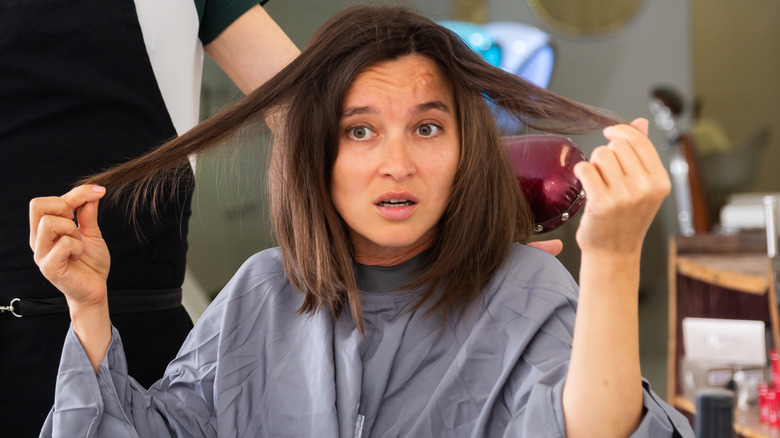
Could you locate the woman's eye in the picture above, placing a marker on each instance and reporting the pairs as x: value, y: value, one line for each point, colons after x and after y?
x: 428, y: 130
x: 360, y: 132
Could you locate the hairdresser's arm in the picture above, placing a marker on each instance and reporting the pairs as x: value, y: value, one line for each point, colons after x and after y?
x: 252, y: 49
x: 75, y: 259
x: 626, y: 184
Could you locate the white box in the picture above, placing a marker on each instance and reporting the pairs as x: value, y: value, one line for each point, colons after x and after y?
x: 744, y: 211
x: 725, y: 341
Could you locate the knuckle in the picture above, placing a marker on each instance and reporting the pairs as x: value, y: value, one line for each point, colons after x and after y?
x: 62, y: 249
x: 624, y: 202
x: 34, y: 205
x: 665, y: 187
x: 48, y: 224
x: 657, y: 189
x: 600, y: 150
x: 619, y: 143
x: 643, y: 187
x: 600, y: 154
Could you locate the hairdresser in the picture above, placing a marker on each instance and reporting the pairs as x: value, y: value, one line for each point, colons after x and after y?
x: 84, y: 85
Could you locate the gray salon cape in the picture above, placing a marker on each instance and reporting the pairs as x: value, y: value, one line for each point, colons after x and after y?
x: 254, y: 367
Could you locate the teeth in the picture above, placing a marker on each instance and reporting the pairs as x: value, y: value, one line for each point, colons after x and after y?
x: 396, y: 203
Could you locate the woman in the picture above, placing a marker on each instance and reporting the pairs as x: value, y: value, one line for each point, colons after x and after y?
x: 401, y: 301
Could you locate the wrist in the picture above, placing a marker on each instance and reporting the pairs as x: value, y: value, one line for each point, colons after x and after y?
x: 92, y: 325
x: 610, y: 275
x: 90, y: 320
x: 90, y: 306
x: 612, y: 259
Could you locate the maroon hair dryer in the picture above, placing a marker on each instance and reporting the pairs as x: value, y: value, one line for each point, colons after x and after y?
x: 544, y: 167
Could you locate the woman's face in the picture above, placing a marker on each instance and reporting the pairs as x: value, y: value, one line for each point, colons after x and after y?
x: 399, y: 146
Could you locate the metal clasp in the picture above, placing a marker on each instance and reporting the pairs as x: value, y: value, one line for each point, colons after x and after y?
x: 10, y: 308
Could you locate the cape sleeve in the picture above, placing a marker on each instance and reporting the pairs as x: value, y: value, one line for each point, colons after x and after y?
x: 545, y: 415
x: 659, y: 418
x: 112, y: 404
x: 538, y: 410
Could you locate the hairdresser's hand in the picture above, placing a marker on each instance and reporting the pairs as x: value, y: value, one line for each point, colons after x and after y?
x: 71, y: 255
x: 626, y: 183
x: 553, y: 246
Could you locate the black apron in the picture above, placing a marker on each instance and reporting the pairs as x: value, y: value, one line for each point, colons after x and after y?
x: 77, y: 95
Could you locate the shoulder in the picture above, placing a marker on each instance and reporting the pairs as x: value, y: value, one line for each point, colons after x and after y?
x: 527, y: 311
x: 537, y: 271
x: 262, y: 264
x: 534, y: 289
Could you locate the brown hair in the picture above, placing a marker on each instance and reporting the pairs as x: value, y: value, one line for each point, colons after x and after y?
x: 486, y: 213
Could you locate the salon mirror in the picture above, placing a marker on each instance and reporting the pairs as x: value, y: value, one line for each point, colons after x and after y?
x: 585, y: 17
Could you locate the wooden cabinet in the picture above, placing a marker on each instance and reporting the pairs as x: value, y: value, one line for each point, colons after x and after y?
x: 719, y: 276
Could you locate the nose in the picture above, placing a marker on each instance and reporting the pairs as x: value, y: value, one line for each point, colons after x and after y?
x: 397, y: 159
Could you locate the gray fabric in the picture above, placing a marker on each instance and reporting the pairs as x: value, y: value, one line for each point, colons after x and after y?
x: 254, y: 367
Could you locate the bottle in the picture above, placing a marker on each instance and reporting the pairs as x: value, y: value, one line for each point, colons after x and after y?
x: 714, y: 413
x: 763, y: 402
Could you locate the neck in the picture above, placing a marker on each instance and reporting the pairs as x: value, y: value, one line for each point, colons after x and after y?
x: 386, y: 260
x: 385, y: 256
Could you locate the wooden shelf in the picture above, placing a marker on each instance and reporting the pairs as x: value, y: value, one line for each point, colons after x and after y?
x: 718, y: 276
x: 741, y: 272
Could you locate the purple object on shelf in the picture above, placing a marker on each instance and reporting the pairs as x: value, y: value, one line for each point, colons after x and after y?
x: 544, y: 167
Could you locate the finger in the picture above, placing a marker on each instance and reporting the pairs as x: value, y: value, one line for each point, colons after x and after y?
x: 641, y: 124
x: 554, y: 246
x: 55, y: 264
x: 591, y: 179
x: 48, y: 206
x: 642, y: 145
x: 63, y: 206
x: 627, y: 158
x: 80, y: 195
x: 640, y: 181
x: 605, y: 161
x: 87, y: 217
x: 50, y: 230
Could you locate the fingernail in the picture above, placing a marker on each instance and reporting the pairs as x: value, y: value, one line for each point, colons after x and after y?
x: 98, y: 189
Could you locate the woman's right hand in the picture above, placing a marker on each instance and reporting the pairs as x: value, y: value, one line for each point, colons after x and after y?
x: 70, y: 253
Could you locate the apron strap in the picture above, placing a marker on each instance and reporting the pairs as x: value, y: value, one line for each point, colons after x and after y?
x: 119, y: 301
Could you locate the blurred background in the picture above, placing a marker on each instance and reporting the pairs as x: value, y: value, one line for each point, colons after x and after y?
x: 721, y: 57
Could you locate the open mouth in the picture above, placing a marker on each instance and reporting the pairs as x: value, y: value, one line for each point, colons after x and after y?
x: 396, y: 203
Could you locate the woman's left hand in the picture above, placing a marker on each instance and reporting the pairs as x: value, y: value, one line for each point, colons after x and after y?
x: 625, y: 182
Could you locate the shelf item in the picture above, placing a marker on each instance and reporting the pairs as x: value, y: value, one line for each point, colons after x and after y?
x: 719, y: 276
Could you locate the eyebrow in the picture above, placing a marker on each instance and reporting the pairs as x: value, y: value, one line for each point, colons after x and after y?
x: 436, y: 104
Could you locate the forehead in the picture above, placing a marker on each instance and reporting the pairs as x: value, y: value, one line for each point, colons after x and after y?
x: 413, y: 74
